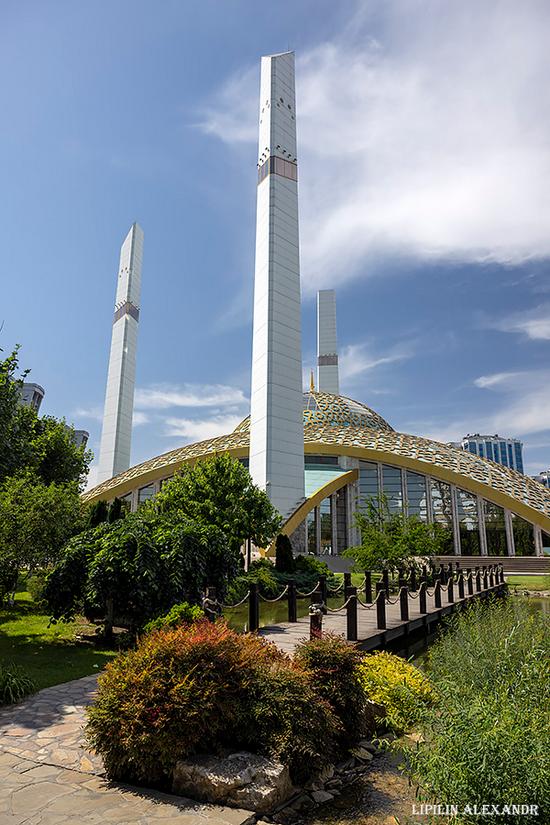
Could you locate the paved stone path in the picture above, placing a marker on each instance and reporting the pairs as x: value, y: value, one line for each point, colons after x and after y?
x: 48, y: 777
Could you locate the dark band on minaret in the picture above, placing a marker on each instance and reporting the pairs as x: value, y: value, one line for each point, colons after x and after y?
x: 327, y: 360
x: 127, y: 308
x: 278, y: 166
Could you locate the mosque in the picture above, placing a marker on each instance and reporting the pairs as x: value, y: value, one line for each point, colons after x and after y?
x: 317, y: 454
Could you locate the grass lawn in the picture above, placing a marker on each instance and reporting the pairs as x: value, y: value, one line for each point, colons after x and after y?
x: 49, y: 655
x: 529, y: 582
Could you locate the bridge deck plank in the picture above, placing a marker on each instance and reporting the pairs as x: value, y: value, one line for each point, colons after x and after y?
x: 287, y: 635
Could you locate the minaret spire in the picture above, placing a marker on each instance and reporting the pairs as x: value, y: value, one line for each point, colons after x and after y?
x: 276, y: 406
x: 327, y: 346
x: 116, y: 436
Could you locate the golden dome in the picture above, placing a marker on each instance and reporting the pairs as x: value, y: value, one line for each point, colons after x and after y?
x: 327, y: 410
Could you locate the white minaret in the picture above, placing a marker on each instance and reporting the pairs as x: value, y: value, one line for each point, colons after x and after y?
x: 276, y: 406
x: 116, y: 436
x: 327, y: 346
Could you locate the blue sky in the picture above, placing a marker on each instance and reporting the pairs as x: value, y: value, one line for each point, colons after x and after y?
x: 424, y: 201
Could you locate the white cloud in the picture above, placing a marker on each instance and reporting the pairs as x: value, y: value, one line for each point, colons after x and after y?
x: 140, y: 418
x: 534, y: 323
x: 94, y: 413
x: 431, y: 142
x: 526, y: 409
x: 164, y: 396
x: 198, y: 430
x: 497, y: 379
x: 356, y: 359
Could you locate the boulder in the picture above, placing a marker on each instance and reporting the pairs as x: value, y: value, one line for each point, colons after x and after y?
x: 240, y: 780
x: 322, y: 796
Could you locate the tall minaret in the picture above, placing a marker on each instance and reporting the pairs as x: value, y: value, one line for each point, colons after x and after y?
x: 276, y: 406
x: 327, y: 346
x: 116, y: 436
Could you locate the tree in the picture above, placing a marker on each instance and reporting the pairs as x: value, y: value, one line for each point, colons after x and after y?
x: 219, y: 492
x: 16, y: 421
x: 284, y: 557
x: 29, y: 442
x: 137, y: 568
x: 36, y: 520
x: 392, y: 540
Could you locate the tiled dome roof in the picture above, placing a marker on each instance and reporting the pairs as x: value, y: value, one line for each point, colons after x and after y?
x: 327, y: 410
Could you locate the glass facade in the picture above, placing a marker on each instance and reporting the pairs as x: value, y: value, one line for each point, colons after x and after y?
x: 392, y: 488
x: 468, y: 523
x: 326, y: 527
x: 145, y: 493
x: 417, y: 499
x: 495, y: 529
x: 524, y: 537
x: 368, y: 482
x: 443, y: 512
x: 545, y: 543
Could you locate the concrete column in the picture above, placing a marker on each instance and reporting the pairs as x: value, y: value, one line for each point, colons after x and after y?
x: 318, y: 531
x: 509, y: 533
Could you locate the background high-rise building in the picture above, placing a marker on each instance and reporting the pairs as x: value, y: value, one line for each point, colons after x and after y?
x: 32, y: 395
x: 506, y: 451
x: 116, y: 436
x: 276, y: 405
x: 327, y: 346
x: 543, y: 477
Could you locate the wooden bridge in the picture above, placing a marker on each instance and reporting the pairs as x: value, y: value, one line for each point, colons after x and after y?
x: 373, y: 623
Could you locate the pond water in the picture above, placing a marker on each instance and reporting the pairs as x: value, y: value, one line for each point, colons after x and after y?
x: 271, y: 612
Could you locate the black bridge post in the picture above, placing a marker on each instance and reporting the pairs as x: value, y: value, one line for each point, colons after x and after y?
x: 502, y: 573
x: 424, y: 574
x: 442, y: 575
x: 347, y: 585
x: 368, y: 587
x: 461, y: 585
x: 485, y: 578
x: 351, y: 616
x: 253, y: 608
x: 404, y: 603
x: 386, y: 581
x: 437, y: 593
x: 478, y: 580
x: 470, y: 581
x: 422, y: 597
x: 322, y: 587
x: 450, y: 589
x: 413, y: 584
x: 492, y: 576
x: 291, y: 598
x: 380, y: 607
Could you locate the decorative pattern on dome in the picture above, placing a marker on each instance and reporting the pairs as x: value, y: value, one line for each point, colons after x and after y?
x: 386, y: 443
x: 329, y: 410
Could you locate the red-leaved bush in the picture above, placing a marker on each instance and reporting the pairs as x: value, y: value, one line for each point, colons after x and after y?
x: 200, y: 688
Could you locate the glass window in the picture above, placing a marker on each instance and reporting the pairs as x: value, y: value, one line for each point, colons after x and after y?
x: 519, y: 457
x: 481, y: 449
x: 417, y: 503
x: 545, y: 543
x: 392, y: 488
x: 442, y: 512
x: 145, y: 493
x: 310, y: 528
x: 472, y: 447
x: 368, y: 482
x: 489, y: 450
x: 495, y: 529
x: 503, y: 456
x: 326, y: 528
x: 524, y: 538
x: 510, y: 456
x: 468, y: 523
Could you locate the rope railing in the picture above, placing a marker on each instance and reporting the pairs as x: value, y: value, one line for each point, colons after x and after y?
x: 229, y: 606
x: 342, y: 607
x: 311, y: 592
x: 277, y: 599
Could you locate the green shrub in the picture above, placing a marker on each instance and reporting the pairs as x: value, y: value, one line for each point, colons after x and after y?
x: 489, y: 741
x: 14, y: 684
x: 333, y: 666
x: 179, y: 614
x: 284, y: 558
x: 36, y: 584
x: 200, y: 688
x: 263, y: 573
x: 402, y: 690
